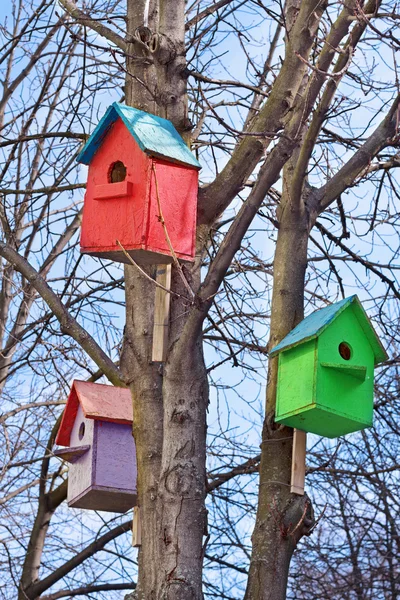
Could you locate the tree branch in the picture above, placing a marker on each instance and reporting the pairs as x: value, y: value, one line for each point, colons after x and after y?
x: 206, y: 12
x: 84, y: 19
x: 42, y: 136
x: 346, y: 176
x: 268, y: 175
x: 216, y: 197
x: 89, y: 589
x: 38, y: 588
x: 69, y: 326
x: 50, y: 189
x: 250, y: 466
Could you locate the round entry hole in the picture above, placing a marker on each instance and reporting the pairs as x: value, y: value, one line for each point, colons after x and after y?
x: 345, y: 350
x: 81, y: 431
x: 117, y: 172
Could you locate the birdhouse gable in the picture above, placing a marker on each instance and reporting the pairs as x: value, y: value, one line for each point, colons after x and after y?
x: 315, y: 324
x: 97, y: 402
x: 155, y: 136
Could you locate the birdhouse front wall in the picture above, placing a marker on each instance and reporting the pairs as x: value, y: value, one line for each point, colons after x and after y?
x: 81, y: 472
x: 128, y: 210
x: 115, y: 210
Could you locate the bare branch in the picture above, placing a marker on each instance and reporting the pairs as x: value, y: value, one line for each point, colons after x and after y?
x: 38, y: 588
x: 347, y: 175
x: 69, y: 325
x: 206, y: 12
x: 89, y: 589
x: 84, y: 19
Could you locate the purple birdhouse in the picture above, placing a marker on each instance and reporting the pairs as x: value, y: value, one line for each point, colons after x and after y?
x: 96, y: 429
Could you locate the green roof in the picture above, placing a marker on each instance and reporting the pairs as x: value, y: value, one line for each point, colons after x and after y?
x: 312, y: 326
x: 154, y: 135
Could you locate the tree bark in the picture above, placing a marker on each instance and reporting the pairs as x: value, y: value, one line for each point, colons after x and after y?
x: 169, y: 401
x: 282, y: 518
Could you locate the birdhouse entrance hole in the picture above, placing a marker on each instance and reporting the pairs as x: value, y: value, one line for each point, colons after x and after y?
x: 117, y: 172
x: 81, y: 431
x: 345, y: 350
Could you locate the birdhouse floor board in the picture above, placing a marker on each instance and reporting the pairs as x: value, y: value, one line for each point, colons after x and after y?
x: 322, y: 422
x: 141, y: 257
x: 97, y: 497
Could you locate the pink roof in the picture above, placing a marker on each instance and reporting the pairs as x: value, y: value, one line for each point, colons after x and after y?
x: 99, y: 402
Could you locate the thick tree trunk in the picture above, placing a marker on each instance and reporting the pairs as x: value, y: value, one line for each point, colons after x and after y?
x: 282, y: 518
x: 169, y: 401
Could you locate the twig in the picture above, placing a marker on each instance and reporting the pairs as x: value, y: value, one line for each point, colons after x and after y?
x: 69, y: 326
x: 81, y: 17
x: 135, y: 264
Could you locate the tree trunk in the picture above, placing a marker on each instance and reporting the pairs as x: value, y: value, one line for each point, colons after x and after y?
x: 169, y: 401
x: 282, y: 518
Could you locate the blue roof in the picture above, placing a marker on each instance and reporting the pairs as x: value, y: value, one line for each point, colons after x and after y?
x: 313, y: 325
x: 154, y: 135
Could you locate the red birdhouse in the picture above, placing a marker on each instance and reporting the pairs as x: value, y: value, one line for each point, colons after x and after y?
x: 141, y: 189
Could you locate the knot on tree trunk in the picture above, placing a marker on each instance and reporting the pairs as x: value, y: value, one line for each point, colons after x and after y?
x: 298, y: 519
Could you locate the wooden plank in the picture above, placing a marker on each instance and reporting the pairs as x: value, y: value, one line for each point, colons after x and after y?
x: 298, y: 462
x: 161, y: 314
x: 136, y: 528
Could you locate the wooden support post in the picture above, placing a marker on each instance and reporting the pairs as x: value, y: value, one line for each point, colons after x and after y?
x: 298, y: 462
x: 161, y: 314
x: 136, y: 528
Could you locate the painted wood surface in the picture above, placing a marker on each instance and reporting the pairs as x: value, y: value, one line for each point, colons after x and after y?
x: 97, y: 427
x: 108, y: 483
x: 98, y: 401
x: 115, y: 457
x: 132, y: 215
x: 316, y: 323
x: 80, y: 474
x: 154, y: 135
x: 325, y: 384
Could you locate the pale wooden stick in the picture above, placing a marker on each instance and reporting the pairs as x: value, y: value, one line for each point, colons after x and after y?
x: 161, y: 313
x: 298, y: 462
x: 136, y: 528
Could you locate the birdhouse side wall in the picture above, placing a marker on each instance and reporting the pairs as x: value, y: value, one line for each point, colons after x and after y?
x: 343, y: 393
x: 116, y: 210
x: 296, y: 379
x: 174, y: 189
x: 115, y: 456
x: 80, y: 472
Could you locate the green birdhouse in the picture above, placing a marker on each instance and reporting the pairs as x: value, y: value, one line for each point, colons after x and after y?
x: 326, y: 371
